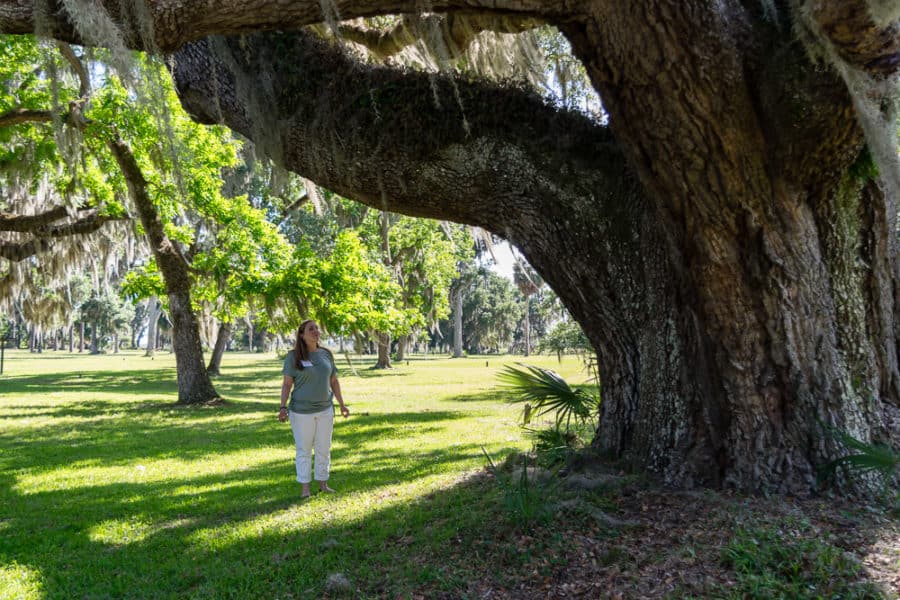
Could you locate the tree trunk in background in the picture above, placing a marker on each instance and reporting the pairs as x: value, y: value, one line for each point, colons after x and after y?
x: 527, y: 325
x: 457, y: 323
x: 215, y: 359
x: 153, y: 313
x: 402, y: 343
x: 194, y: 384
x: 81, y: 337
x: 95, y: 341
x: 384, y: 351
x: 71, y: 337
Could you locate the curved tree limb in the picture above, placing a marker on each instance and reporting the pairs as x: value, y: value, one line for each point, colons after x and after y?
x: 16, y: 116
x: 31, y: 223
x: 231, y: 17
x: 339, y: 122
x: 16, y: 252
x: 85, y: 81
x: 848, y: 24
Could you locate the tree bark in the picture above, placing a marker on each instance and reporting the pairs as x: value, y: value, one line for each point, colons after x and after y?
x: 194, y: 384
x: 215, y: 359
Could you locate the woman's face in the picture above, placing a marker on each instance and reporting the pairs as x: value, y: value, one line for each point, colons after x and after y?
x: 310, y: 334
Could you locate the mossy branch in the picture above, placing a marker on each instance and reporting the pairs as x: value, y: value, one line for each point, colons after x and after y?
x: 15, y: 252
x: 457, y: 31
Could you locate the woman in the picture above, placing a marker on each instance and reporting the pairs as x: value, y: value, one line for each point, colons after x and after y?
x: 311, y: 372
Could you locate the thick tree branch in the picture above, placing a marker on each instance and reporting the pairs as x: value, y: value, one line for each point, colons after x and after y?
x: 16, y: 252
x: 176, y: 22
x: 17, y: 116
x: 339, y: 122
x: 88, y: 224
x: 31, y: 223
x: 76, y: 64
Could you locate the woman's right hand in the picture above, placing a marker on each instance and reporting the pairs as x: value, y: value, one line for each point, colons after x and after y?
x: 283, y: 414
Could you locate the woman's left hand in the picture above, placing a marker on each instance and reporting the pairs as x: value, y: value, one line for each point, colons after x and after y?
x: 345, y: 412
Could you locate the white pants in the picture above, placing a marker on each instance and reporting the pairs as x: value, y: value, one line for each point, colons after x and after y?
x: 313, y: 431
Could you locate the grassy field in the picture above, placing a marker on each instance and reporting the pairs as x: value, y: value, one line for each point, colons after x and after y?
x: 109, y: 490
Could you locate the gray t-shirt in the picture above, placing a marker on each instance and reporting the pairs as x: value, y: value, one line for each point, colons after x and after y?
x: 312, y: 384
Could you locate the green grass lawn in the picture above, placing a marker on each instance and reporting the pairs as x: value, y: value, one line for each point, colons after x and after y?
x: 109, y: 490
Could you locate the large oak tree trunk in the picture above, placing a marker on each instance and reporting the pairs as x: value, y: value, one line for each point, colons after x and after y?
x: 778, y: 304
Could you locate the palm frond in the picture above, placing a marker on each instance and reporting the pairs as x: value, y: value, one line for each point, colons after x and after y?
x: 547, y: 392
x: 870, y: 458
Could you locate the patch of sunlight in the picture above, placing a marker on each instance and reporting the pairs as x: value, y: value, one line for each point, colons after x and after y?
x: 88, y: 474
x: 121, y: 532
x: 117, y: 532
x: 19, y: 581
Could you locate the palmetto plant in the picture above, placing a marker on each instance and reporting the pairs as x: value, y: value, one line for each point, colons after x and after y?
x: 868, y: 458
x: 544, y: 391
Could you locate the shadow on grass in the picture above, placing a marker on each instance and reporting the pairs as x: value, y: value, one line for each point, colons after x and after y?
x: 159, y: 381
x: 493, y: 395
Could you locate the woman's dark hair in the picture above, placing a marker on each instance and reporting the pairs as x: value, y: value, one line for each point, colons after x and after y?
x: 300, y: 351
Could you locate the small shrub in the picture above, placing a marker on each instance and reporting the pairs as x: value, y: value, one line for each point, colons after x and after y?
x: 525, y: 500
x: 554, y: 447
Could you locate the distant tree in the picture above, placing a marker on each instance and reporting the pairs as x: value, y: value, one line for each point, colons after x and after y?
x: 490, y: 312
x: 105, y: 314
